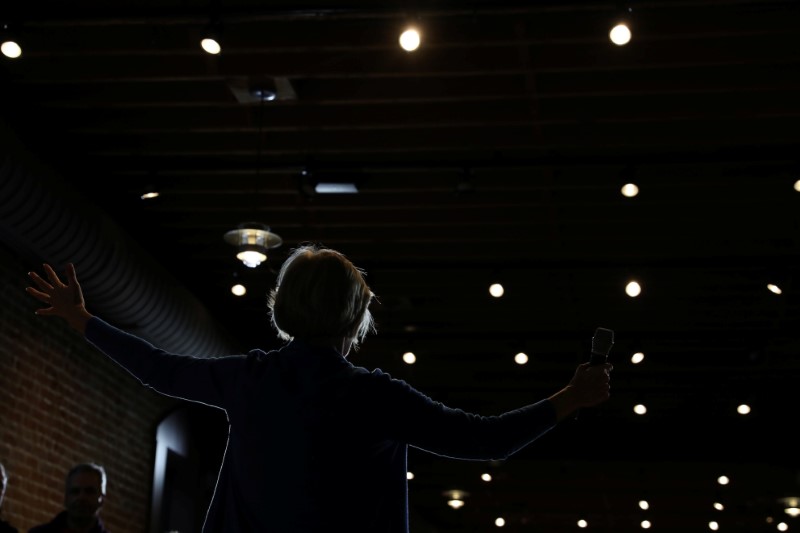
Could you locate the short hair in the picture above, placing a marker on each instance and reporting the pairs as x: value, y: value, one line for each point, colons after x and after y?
x: 88, y: 467
x: 320, y: 295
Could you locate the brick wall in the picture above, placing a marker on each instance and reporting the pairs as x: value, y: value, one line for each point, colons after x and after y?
x: 61, y: 403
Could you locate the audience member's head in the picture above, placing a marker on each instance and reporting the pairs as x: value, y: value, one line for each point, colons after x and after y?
x: 84, y: 492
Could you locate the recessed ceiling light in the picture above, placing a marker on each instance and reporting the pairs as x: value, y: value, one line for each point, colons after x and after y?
x: 496, y: 290
x: 629, y: 190
x: 620, y: 34
x: 211, y: 46
x: 409, y: 40
x: 11, y: 49
x: 633, y: 289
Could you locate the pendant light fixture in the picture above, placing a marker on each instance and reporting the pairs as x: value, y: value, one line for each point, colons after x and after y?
x: 253, y: 239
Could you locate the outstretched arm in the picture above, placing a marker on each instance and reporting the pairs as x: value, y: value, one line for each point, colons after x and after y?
x: 205, y: 380
x: 65, y: 300
x: 414, y: 418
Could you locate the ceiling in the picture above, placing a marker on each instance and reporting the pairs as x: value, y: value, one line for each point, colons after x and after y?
x: 494, y: 153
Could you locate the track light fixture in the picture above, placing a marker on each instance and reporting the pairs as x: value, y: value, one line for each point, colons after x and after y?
x: 253, y: 239
x: 410, y: 37
x: 9, y: 43
x: 620, y: 33
x: 211, y: 40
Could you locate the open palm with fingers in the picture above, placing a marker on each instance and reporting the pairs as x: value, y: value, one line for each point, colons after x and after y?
x: 65, y: 300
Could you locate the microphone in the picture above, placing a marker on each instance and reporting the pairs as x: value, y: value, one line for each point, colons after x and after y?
x: 602, y: 342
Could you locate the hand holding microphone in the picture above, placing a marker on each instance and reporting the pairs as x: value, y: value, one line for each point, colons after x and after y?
x: 597, y: 391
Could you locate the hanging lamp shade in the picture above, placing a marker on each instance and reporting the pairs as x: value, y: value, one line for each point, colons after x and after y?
x: 252, y: 240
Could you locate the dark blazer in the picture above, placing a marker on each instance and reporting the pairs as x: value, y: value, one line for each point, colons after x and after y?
x: 316, y: 443
x: 59, y: 525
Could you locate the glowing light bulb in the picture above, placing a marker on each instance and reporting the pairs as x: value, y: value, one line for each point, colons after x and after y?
x: 456, y: 504
x: 11, y: 49
x: 251, y: 258
x: 629, y: 190
x: 496, y: 290
x: 620, y: 34
x: 409, y: 40
x: 633, y: 289
x: 211, y: 46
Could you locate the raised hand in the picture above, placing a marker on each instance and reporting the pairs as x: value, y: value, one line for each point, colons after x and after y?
x: 588, y: 387
x: 591, y: 383
x: 65, y: 300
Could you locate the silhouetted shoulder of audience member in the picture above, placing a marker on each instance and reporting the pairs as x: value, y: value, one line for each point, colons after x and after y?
x: 84, y: 495
x: 5, y: 527
x: 316, y: 444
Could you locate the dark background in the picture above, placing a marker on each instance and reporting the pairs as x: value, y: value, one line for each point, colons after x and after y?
x: 496, y: 152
